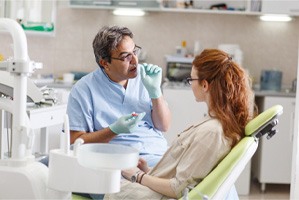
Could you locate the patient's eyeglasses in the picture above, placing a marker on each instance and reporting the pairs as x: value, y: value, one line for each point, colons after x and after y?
x: 189, y: 80
x: 127, y: 57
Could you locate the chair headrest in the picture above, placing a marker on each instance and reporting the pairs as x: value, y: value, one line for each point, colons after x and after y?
x: 262, y: 120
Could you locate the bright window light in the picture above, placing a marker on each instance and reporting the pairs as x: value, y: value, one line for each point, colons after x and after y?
x: 128, y: 12
x: 276, y: 18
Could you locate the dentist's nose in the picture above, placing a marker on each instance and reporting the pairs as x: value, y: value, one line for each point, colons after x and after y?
x: 134, y: 59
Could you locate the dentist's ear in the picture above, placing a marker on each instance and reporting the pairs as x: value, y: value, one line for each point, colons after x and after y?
x: 104, y: 64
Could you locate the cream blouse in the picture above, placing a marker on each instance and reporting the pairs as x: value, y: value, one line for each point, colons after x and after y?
x: 192, y: 155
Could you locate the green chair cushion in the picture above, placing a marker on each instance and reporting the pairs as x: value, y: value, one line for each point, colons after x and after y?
x: 78, y: 197
x: 261, y: 120
x: 213, y: 181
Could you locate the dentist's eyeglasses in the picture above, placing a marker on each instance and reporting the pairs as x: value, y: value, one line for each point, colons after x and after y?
x: 189, y: 80
x: 127, y: 57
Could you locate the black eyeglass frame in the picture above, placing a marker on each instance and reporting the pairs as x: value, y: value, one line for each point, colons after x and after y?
x: 136, y: 48
x: 189, y: 80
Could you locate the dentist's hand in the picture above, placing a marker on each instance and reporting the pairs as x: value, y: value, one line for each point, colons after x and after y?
x: 151, y: 76
x: 126, y: 123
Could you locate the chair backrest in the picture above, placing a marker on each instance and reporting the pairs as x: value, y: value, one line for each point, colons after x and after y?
x: 219, y: 181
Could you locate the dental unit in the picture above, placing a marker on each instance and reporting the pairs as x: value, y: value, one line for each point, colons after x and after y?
x: 88, y: 168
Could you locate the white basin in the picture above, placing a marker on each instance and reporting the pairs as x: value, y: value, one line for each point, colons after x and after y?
x: 107, y: 156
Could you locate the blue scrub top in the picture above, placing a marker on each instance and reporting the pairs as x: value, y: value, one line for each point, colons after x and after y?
x: 95, y: 102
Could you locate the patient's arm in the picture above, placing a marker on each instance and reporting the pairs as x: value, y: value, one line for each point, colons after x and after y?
x: 159, y: 185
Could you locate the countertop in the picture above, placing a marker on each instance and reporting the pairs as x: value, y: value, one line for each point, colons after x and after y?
x: 52, y: 84
x: 283, y: 93
x: 258, y: 93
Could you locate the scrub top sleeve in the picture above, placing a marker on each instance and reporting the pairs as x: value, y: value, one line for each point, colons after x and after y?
x: 199, y: 158
x: 77, y: 116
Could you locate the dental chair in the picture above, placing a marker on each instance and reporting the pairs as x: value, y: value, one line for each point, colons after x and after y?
x: 220, y: 180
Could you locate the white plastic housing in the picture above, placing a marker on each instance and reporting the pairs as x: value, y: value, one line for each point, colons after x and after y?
x: 96, y: 169
x: 107, y: 156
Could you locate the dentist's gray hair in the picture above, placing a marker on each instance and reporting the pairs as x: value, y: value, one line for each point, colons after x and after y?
x: 107, y: 39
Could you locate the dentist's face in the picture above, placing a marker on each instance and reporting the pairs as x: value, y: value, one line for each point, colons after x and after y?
x: 124, y: 62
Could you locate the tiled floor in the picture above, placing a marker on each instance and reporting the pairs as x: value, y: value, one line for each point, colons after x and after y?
x: 273, y: 192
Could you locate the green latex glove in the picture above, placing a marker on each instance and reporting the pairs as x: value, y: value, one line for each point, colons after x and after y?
x: 126, y: 123
x: 151, y: 76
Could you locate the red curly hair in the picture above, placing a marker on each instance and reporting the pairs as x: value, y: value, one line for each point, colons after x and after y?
x: 231, y: 96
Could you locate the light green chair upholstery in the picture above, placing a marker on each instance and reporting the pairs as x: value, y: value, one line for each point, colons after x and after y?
x: 78, y: 197
x: 218, y: 183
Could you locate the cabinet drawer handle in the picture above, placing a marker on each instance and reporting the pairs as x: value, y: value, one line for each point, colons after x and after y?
x: 292, y: 123
x: 127, y: 3
x: 294, y: 10
x: 102, y: 3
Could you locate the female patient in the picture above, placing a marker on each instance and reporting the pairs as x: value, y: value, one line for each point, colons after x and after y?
x: 225, y: 88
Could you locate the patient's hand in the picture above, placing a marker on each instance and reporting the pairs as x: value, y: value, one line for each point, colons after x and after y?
x: 142, y: 165
x: 128, y: 173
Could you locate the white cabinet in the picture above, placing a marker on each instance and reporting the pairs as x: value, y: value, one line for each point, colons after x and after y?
x: 45, y: 119
x: 280, y: 7
x: 90, y: 2
x: 115, y: 3
x: 251, y: 7
x: 231, y: 5
x: 2, y: 8
x: 225, y: 7
x: 185, y: 112
x: 273, y: 159
x: 35, y: 16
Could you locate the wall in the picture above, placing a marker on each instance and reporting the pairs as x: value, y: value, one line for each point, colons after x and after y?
x: 266, y: 45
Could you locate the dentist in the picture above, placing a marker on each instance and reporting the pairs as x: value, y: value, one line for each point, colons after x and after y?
x: 120, y: 102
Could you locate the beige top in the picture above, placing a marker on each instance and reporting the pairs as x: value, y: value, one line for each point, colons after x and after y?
x: 192, y: 155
